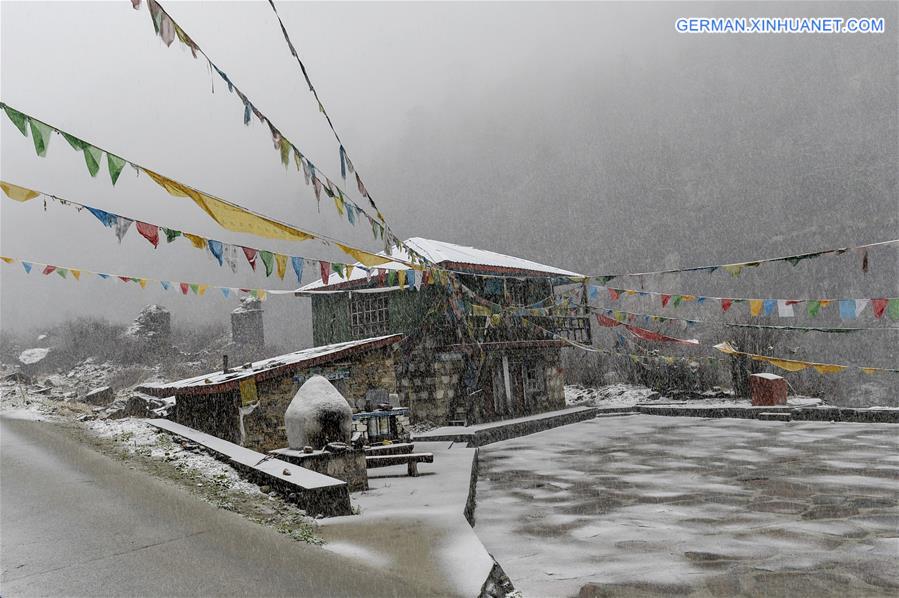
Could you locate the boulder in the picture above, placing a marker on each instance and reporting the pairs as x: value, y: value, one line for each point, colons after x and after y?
x: 318, y: 415
x: 99, y: 396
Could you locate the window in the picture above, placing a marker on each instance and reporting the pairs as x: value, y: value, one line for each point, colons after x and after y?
x: 533, y: 377
x: 368, y: 314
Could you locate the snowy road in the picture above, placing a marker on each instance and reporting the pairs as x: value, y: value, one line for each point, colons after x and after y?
x: 78, y: 523
x: 661, y: 506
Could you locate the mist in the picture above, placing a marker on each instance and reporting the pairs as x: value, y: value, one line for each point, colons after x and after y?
x: 593, y: 137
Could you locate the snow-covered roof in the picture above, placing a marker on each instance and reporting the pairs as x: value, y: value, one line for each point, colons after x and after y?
x: 268, y: 368
x: 449, y: 255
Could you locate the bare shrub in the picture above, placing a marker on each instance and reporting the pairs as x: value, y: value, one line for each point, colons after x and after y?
x: 584, y: 368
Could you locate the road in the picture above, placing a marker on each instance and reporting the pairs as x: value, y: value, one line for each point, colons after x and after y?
x: 79, y: 523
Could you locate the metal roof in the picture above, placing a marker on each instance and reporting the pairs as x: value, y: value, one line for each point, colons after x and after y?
x: 266, y: 369
x: 451, y: 256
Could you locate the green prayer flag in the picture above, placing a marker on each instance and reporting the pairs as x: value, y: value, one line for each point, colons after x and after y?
x: 195, y: 288
x: 18, y: 119
x: 268, y: 260
x: 171, y: 234
x: 285, y: 151
x: 40, y: 134
x: 338, y: 268
x: 893, y: 309
x: 116, y: 165
x: 813, y: 307
x: 62, y: 272
x: 391, y: 278
x: 92, y: 157
x: 677, y: 300
x: 76, y: 143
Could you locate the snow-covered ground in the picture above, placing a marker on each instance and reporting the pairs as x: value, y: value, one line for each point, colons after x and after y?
x: 644, y: 505
x: 628, y: 395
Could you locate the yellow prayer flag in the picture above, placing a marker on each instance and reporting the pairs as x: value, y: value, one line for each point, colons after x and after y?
x: 755, y: 307
x: 142, y: 282
x: 248, y: 391
x: 229, y: 216
x: 401, y: 274
x: 196, y: 240
x: 733, y: 269
x: 726, y: 347
x: 790, y: 365
x: 828, y: 368
x: 17, y: 193
x: 349, y: 270
x: 261, y: 294
x: 8, y: 260
x: 363, y: 257
x: 200, y: 288
x: 338, y: 202
x: 75, y: 273
x: 281, y: 264
x: 870, y: 370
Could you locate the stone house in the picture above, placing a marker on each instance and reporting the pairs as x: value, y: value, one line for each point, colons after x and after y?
x: 246, y: 404
x: 454, y: 366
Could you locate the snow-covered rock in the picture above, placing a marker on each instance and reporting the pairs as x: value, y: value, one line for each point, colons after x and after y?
x: 32, y: 356
x: 317, y: 415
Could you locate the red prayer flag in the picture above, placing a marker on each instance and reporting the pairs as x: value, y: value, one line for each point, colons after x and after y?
x: 325, y: 268
x: 184, y: 287
x: 878, y: 305
x: 150, y: 232
x: 251, y: 256
x: 613, y: 293
x: 649, y: 335
x: 726, y: 303
x: 665, y: 300
x: 49, y: 270
x: 607, y: 321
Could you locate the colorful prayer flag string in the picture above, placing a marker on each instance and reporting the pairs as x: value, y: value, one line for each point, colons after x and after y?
x: 795, y: 365
x: 228, y: 215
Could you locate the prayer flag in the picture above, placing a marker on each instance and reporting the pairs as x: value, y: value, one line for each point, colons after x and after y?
x: 281, y: 265
x: 122, y: 225
x: 48, y: 269
x: 195, y: 240
x: 115, y: 165
x: 813, y: 307
x: 726, y: 303
x: 893, y: 309
x: 755, y: 307
x: 784, y: 308
x: 847, y: 309
x: 171, y: 234
x: 225, y: 292
x: 106, y: 218
x: 338, y: 268
x: 18, y: 193
x: 184, y: 288
x: 76, y: 274
x: 18, y: 119
x: 878, y: 306
x: 27, y: 267
x: 860, y: 305
x: 402, y: 277
x: 216, y: 249
x: 166, y: 285
x: 268, y: 261
x: 40, y: 135
x: 665, y: 300
x: 150, y: 232
x: 297, y: 263
x: 92, y: 157
x: 251, y: 256
x: 325, y: 271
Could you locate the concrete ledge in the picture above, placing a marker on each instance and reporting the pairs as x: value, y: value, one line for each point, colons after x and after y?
x: 483, y: 434
x: 315, y: 492
x: 840, y: 414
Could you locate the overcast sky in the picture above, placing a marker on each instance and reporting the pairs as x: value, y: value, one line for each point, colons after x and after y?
x: 589, y: 136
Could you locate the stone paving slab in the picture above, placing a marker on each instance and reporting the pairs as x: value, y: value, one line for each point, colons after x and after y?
x: 661, y: 506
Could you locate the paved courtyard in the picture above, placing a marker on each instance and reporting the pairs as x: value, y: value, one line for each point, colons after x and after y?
x: 646, y: 505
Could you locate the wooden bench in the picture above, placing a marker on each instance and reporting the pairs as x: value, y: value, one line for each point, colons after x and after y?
x: 410, y: 459
x: 378, y: 450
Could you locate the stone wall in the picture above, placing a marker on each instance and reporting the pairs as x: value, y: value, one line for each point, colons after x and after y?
x: 264, y: 426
